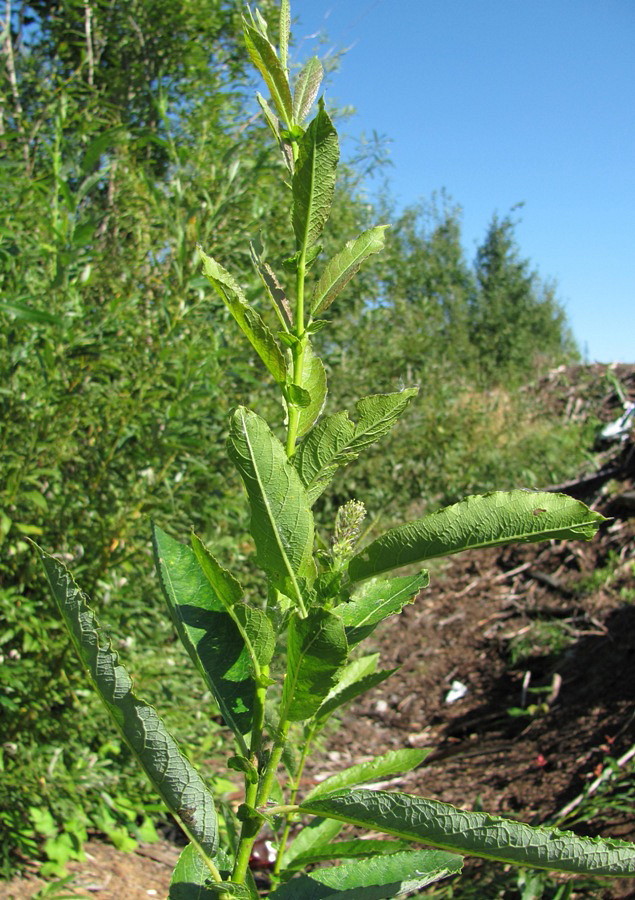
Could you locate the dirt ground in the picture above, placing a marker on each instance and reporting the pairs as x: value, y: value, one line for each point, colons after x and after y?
x: 462, y: 632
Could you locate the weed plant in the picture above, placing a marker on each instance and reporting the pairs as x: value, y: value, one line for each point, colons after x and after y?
x: 282, y: 659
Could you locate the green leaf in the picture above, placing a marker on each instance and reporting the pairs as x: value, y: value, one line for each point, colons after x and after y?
x: 341, y: 695
x: 324, y: 449
x: 249, y: 321
x: 317, y: 834
x: 264, y: 57
x: 336, y: 440
x: 242, y: 764
x: 274, y: 127
x: 486, y: 520
x: 339, y: 271
x: 281, y: 520
x: 288, y: 339
x: 25, y: 528
x: 249, y: 814
x: 394, y: 762
x: 356, y: 849
x: 175, y: 779
x: 352, y: 680
x: 298, y: 396
x: 285, y: 29
x: 354, y: 670
x: 313, y: 381
x: 377, y: 414
x: 275, y: 291
x: 317, y: 325
x: 239, y: 891
x: 316, y: 649
x: 28, y: 314
x: 382, y: 878
x: 113, y: 137
x: 477, y: 833
x: 190, y: 877
x: 260, y: 22
x: 313, y: 181
x: 292, y: 263
x: 207, y: 631
x: 190, y: 882
x: 377, y: 600
x: 306, y: 88
x: 226, y: 588
x: 254, y: 626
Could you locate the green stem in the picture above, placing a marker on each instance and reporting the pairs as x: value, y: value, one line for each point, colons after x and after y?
x: 257, y: 795
x: 298, y: 352
x: 259, y: 713
x: 295, y: 787
x: 260, y: 797
x: 249, y: 832
x: 264, y: 788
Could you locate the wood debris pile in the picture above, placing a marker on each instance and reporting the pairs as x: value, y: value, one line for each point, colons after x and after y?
x: 604, y: 393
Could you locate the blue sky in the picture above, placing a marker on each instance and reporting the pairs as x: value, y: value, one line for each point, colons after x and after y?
x: 501, y: 102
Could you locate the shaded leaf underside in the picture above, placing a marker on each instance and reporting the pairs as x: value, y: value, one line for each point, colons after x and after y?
x: 476, y: 833
x: 174, y: 778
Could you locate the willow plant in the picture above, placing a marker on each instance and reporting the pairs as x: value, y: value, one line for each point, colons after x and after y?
x: 281, y: 666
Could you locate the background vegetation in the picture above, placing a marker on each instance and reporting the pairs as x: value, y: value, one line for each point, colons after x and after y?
x: 123, y: 143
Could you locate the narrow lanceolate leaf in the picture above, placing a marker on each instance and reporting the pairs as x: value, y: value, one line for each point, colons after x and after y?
x: 254, y: 626
x: 207, y: 631
x: 249, y: 321
x: 27, y: 314
x: 317, y: 834
x: 264, y: 57
x: 344, y: 265
x: 353, y: 679
x: 307, y: 85
x: 273, y: 287
x: 339, y: 695
x: 336, y: 440
x: 382, y: 878
x: 486, y: 520
x: 281, y: 519
x: 356, y: 669
x: 258, y: 21
x: 316, y: 649
x: 356, y: 849
x: 376, y: 601
x: 274, y: 127
x: 395, y: 762
x: 270, y: 117
x: 314, y: 180
x: 285, y: 29
x: 476, y: 833
x: 180, y: 786
x: 377, y: 414
x: 314, y: 382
